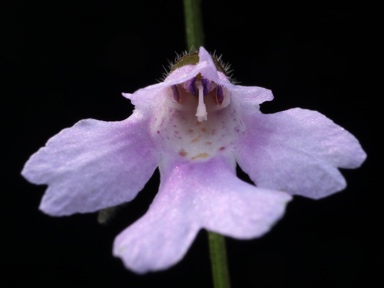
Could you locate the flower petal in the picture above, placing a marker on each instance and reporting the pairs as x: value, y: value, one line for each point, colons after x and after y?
x: 194, y: 196
x: 93, y: 165
x: 297, y: 151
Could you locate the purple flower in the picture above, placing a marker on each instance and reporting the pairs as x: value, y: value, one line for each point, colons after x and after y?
x: 195, y: 126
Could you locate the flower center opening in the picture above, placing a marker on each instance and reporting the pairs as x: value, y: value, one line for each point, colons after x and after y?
x: 197, y: 120
x: 201, y: 95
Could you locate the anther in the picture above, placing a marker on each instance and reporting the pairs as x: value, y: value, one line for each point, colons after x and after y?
x: 191, y: 87
x: 176, y: 93
x: 219, y: 95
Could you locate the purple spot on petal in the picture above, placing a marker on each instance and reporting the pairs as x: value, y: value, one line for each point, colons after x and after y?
x: 183, y: 153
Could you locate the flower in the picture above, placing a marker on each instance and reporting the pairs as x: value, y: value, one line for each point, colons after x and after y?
x: 195, y: 126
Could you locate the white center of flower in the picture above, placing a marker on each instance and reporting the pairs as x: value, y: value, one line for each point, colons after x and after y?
x: 201, y: 112
x: 196, y: 120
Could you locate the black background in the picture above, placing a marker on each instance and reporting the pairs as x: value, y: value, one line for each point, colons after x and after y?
x: 64, y: 61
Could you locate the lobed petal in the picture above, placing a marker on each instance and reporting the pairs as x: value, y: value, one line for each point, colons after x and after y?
x: 93, y: 165
x: 195, y: 195
x: 297, y: 151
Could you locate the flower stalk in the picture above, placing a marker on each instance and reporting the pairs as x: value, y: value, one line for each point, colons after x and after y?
x: 195, y: 39
x: 193, y: 24
x: 218, y: 260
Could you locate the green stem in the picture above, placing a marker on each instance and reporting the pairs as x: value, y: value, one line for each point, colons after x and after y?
x: 218, y: 260
x: 195, y: 39
x: 193, y: 24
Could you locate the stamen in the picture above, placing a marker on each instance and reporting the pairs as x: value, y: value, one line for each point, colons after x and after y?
x: 190, y: 86
x: 201, y: 112
x: 176, y: 93
x: 219, y: 95
x: 205, y: 86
